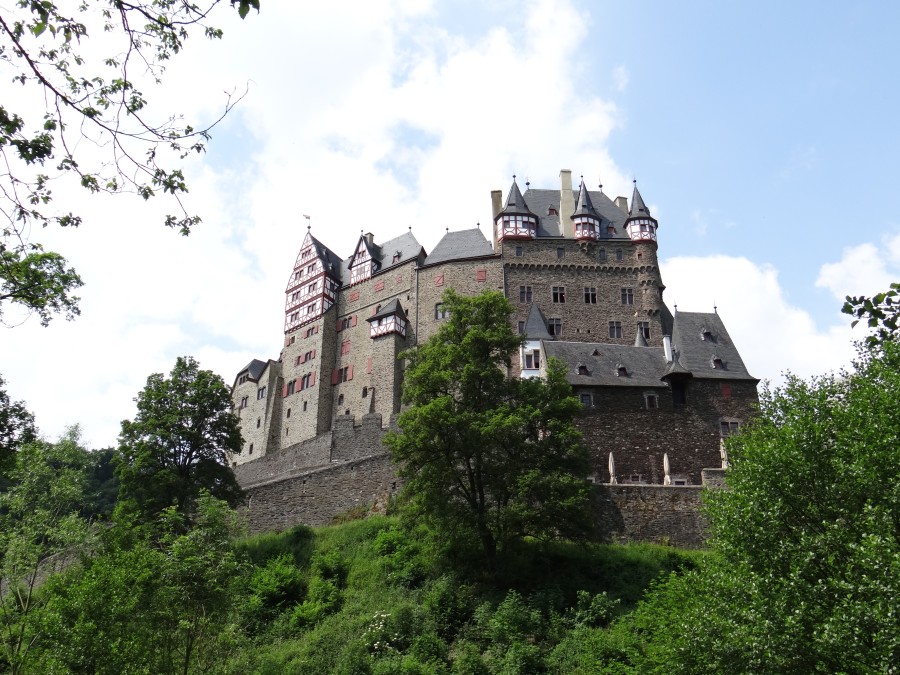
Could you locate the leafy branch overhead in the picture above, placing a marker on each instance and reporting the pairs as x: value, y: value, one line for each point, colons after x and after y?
x: 97, y: 128
x: 879, y: 312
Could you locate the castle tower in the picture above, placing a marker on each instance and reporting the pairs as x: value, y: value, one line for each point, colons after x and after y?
x: 641, y: 228
x: 515, y: 220
x: 587, y: 220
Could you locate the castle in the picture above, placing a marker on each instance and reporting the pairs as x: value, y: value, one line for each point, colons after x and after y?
x: 659, y: 390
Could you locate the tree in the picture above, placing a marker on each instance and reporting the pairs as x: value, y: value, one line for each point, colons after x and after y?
x: 486, y: 455
x: 16, y: 427
x: 178, y: 443
x: 807, y: 577
x: 39, y: 523
x: 881, y: 312
x: 98, y: 129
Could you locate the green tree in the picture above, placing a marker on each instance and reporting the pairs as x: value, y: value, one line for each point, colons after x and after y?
x: 39, y: 527
x: 16, y: 427
x: 98, y: 129
x: 483, y: 454
x: 881, y: 312
x: 808, y: 536
x: 178, y: 443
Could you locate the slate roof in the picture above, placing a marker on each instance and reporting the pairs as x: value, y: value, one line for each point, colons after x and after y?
x: 393, y: 307
x: 459, y: 246
x: 584, y: 206
x: 536, y: 325
x: 515, y: 204
x: 645, y: 365
x: 697, y: 354
x: 540, y: 201
x: 383, y: 254
x: 330, y: 259
x: 638, y: 208
x: 254, y: 369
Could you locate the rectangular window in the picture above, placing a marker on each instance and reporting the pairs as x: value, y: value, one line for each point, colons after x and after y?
x: 260, y: 393
x: 601, y: 255
x: 729, y: 428
x: 345, y: 347
x: 521, y: 328
x: 644, y: 328
x: 519, y: 252
x: 533, y: 359
x: 245, y: 401
x: 310, y: 331
x: 615, y: 329
x: 524, y: 293
x: 354, y: 296
x: 306, y: 381
x: 590, y: 295
x: 308, y: 356
x: 627, y: 296
x: 652, y: 402
x: 587, y: 400
x: 345, y: 374
x: 559, y: 294
x: 291, y: 387
x: 560, y: 252
x: 554, y: 327
x: 620, y: 255
x: 438, y: 279
x: 440, y: 312
x: 480, y: 275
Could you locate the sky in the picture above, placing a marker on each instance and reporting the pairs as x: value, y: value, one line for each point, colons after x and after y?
x: 763, y: 137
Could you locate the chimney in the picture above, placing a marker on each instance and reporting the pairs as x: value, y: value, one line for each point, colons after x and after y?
x: 566, y: 204
x: 622, y: 203
x: 667, y: 348
x: 370, y: 238
x: 496, y: 208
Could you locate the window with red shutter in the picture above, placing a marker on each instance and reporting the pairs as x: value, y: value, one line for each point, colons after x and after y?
x: 726, y: 390
x: 353, y: 320
x: 481, y: 275
x: 369, y: 365
x: 312, y: 379
x: 354, y: 296
x: 439, y: 280
x: 350, y: 373
x: 334, y: 376
x: 339, y: 326
x: 379, y: 286
x: 284, y: 391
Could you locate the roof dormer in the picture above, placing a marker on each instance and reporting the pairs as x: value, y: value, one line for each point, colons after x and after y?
x: 389, y: 319
x: 516, y: 220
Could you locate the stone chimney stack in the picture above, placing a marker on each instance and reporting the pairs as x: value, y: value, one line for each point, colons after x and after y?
x: 566, y: 204
x: 622, y: 203
x: 370, y: 238
x: 496, y: 207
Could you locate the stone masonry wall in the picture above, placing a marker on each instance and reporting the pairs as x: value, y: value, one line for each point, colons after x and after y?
x: 651, y: 513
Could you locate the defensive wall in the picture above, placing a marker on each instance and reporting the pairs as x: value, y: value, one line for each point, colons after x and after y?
x: 313, y: 481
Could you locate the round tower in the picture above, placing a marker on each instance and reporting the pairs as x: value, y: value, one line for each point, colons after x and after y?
x: 641, y: 228
x: 515, y: 220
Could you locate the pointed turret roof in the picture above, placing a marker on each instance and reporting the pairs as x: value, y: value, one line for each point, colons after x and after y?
x: 675, y: 369
x: 640, y: 340
x: 584, y: 207
x: 638, y: 208
x: 515, y: 203
x: 393, y: 307
x: 536, y: 325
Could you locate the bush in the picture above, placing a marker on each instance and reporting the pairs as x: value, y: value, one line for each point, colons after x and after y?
x: 272, y: 589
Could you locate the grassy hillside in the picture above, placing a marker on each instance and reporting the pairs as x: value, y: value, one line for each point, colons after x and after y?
x: 366, y: 597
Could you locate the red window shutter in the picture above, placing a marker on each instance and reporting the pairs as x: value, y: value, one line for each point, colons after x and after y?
x: 338, y: 326
x: 481, y: 275
x: 350, y: 372
x: 439, y: 280
x: 379, y: 286
x: 354, y: 296
x: 313, y: 354
x: 353, y: 320
x: 301, y: 359
x: 312, y: 379
x: 375, y: 310
x: 726, y: 391
x: 284, y: 391
x: 334, y: 376
x: 298, y: 385
x: 287, y: 340
x: 399, y: 278
x: 369, y: 365
x: 317, y: 330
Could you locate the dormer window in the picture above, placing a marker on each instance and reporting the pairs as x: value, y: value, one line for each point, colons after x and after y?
x: 717, y: 363
x: 586, y: 228
x: 582, y: 370
x: 518, y: 227
x: 551, y: 211
x: 396, y: 257
x: 621, y: 371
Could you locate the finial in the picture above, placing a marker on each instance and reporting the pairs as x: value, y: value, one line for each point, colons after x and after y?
x: 715, y: 309
x: 676, y: 308
x: 634, y: 180
x: 308, y: 224
x: 478, y: 224
x: 527, y: 182
x: 600, y: 184
x: 514, y: 177
x: 410, y: 228
x: 447, y: 229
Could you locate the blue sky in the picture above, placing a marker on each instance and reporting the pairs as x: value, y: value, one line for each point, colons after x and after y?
x: 763, y: 136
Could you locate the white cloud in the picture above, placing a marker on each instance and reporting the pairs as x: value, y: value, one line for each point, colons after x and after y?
x: 772, y: 335
x: 365, y: 117
x: 621, y: 78
x: 864, y: 269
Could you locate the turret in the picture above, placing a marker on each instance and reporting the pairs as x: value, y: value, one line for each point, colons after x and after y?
x: 587, y: 220
x: 515, y: 220
x: 640, y: 225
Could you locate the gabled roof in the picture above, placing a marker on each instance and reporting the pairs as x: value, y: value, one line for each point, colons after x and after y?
x: 329, y: 258
x: 541, y: 201
x: 515, y: 202
x: 383, y: 254
x: 645, y: 365
x: 536, y: 325
x: 254, y: 370
x: 640, y: 340
x: 696, y: 354
x: 459, y: 246
x: 390, y: 309
x: 584, y: 206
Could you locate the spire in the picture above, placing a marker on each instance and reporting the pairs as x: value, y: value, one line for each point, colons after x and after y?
x: 638, y: 208
x: 515, y: 202
x: 584, y: 207
x: 640, y: 341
